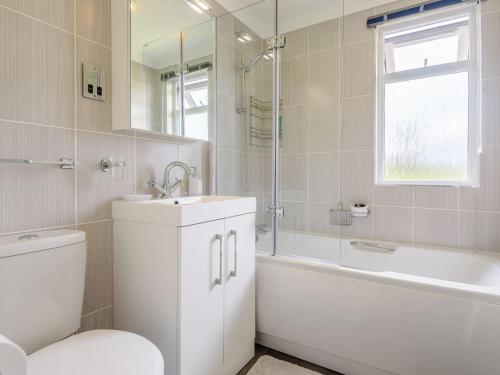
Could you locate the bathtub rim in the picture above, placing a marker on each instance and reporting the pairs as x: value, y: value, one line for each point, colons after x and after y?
x: 484, y: 294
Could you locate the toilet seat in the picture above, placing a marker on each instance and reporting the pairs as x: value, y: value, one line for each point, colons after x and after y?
x: 100, y: 352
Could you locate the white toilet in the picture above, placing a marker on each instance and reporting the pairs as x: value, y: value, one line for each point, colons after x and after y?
x: 42, y: 279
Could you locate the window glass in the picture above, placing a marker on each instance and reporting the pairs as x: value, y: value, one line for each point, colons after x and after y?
x: 426, y: 128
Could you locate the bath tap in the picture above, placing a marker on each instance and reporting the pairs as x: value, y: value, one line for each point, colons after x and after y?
x: 168, y: 189
x: 259, y: 230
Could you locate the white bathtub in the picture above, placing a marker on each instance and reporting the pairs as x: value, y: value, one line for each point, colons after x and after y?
x: 417, y: 310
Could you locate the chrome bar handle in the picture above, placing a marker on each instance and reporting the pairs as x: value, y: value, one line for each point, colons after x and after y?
x: 234, y: 233
x: 373, y: 245
x: 218, y: 281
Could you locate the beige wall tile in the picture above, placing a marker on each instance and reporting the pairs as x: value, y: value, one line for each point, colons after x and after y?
x: 490, y: 45
x: 467, y: 229
x: 240, y: 174
x: 294, y: 177
x: 357, y: 176
x: 294, y: 129
x: 488, y: 233
x: 255, y: 172
x: 97, y: 189
x: 358, y: 69
x: 102, y: 319
x: 325, y: 35
x: 93, y: 114
x: 491, y: 112
x: 324, y: 177
x: 297, y: 43
x: 93, y: 20
x: 468, y: 198
x: 324, y: 126
x: 362, y: 227
x: 319, y: 219
x: 393, y: 196
x: 490, y: 6
x: 436, y: 227
x: 37, y: 72
x: 226, y: 182
x: 198, y: 157
x: 324, y: 75
x: 358, y: 124
x: 436, y: 197
x: 395, y: 6
x: 226, y: 112
x: 295, y: 218
x: 294, y: 81
x: 225, y: 67
x: 35, y: 196
x: 393, y: 223
x: 152, y: 157
x: 225, y: 27
x: 60, y: 13
x: 488, y: 192
x: 355, y: 29
x: 99, y: 273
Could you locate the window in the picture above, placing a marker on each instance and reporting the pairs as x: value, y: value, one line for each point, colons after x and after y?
x: 196, y: 105
x: 427, y: 99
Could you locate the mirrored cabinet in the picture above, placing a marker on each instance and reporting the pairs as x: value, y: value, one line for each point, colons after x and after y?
x: 163, y: 68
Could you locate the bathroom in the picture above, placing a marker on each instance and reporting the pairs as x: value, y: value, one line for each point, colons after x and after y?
x: 351, y: 245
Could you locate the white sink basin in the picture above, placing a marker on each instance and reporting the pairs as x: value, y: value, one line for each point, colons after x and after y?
x: 183, y: 211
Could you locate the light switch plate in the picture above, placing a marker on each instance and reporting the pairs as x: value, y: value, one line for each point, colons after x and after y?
x: 94, y: 82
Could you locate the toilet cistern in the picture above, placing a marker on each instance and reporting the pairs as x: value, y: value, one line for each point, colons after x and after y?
x: 168, y: 189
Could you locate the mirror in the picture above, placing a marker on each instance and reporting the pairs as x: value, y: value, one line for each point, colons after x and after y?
x: 172, y: 44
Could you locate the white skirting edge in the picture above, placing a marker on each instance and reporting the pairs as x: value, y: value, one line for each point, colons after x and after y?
x: 319, y: 357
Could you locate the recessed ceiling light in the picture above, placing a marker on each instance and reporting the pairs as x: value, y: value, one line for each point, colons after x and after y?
x: 244, y: 37
x: 200, y: 6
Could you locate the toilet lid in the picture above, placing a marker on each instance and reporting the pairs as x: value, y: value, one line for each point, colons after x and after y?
x: 100, y: 352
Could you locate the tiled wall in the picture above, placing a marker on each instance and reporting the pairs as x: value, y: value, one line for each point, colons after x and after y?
x: 43, y: 116
x: 328, y: 148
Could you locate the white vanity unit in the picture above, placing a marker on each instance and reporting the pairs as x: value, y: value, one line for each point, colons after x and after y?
x: 184, y: 277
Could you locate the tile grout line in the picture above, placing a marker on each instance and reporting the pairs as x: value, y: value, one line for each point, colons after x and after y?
x: 73, y: 33
x: 98, y: 310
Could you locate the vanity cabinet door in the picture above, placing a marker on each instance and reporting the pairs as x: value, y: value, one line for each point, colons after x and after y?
x: 239, y: 289
x: 201, y: 250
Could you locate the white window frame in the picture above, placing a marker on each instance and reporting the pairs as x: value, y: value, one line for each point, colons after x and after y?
x: 472, y: 66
